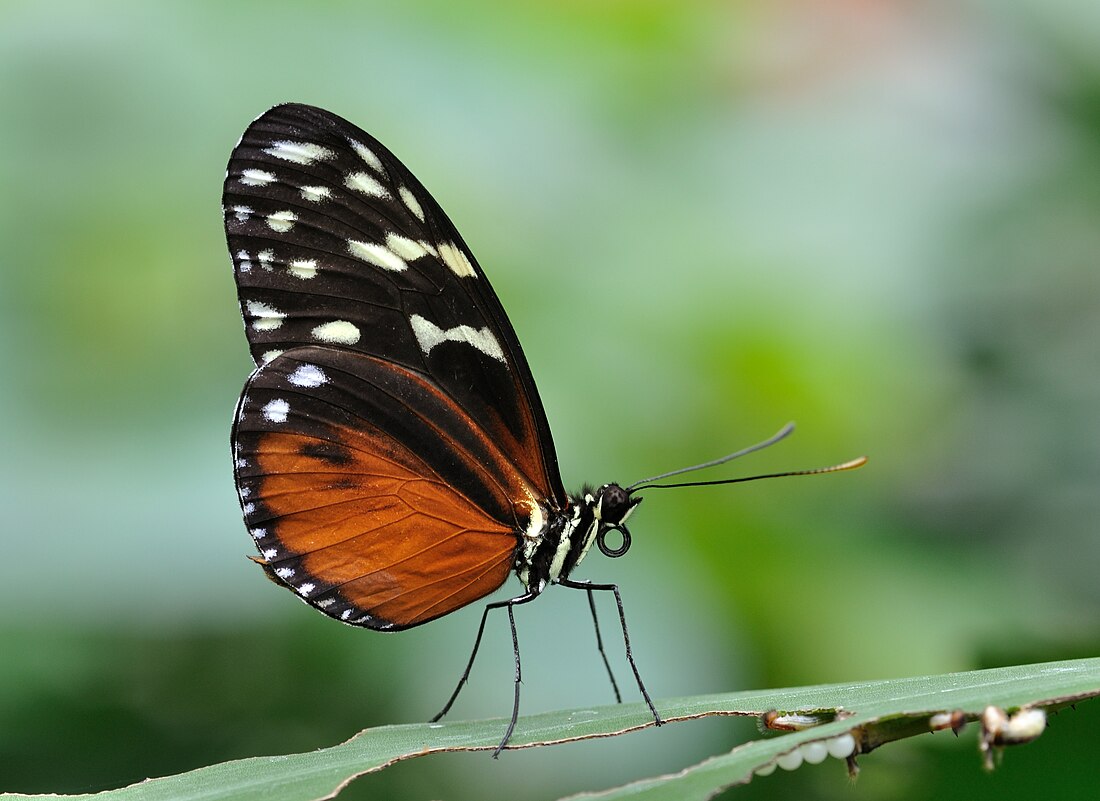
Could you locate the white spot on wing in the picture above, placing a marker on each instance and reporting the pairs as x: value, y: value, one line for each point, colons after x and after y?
x: 428, y: 335
x: 368, y: 156
x: 338, y: 331
x: 307, y: 375
x: 378, y: 255
x: 315, y: 194
x: 302, y: 268
x: 307, y: 588
x: 256, y: 177
x: 264, y: 317
x: 537, y: 523
x: 408, y: 249
x: 411, y: 203
x: 243, y: 262
x: 284, y: 572
x: 276, y: 410
x: 258, y: 533
x: 367, y: 184
x: 281, y: 221
x: 266, y: 257
x: 242, y: 213
x: 454, y: 258
x: 299, y: 152
x: 270, y: 355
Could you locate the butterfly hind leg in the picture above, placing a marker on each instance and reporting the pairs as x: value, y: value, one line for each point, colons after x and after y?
x: 511, y: 602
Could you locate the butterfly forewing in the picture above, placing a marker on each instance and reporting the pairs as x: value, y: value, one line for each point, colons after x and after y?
x: 347, y: 514
x: 335, y: 243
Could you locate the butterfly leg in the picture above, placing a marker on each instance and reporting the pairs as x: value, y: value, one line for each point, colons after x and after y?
x: 519, y: 677
x: 522, y: 599
x: 614, y: 588
x: 599, y: 647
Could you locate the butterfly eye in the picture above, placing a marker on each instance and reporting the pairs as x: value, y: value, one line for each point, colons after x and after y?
x: 605, y: 549
x: 614, y: 504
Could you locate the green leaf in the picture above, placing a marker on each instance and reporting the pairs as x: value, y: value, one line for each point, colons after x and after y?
x: 874, y: 712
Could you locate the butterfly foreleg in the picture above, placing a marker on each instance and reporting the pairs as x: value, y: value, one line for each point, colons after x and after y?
x: 599, y: 647
x: 614, y: 588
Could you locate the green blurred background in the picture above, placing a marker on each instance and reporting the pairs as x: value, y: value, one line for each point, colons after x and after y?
x: 879, y: 219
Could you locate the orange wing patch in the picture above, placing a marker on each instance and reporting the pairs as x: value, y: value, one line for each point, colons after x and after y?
x: 400, y: 546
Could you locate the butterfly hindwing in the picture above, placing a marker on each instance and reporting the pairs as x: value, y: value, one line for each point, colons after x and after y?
x: 352, y: 502
x: 336, y: 244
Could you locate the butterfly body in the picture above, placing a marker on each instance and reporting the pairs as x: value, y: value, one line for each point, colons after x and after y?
x: 551, y: 554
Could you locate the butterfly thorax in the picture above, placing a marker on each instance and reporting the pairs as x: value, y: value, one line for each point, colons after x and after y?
x: 552, y: 553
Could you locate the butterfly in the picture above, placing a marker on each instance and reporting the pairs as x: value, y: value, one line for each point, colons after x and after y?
x: 391, y: 454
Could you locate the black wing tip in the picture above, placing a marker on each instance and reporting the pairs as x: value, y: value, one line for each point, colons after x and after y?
x: 304, y: 113
x: 302, y: 119
x: 297, y: 109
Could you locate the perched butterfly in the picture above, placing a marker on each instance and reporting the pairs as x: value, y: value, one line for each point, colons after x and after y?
x: 392, y: 456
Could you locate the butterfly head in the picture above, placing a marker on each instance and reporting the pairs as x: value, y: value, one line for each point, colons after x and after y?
x: 612, y: 506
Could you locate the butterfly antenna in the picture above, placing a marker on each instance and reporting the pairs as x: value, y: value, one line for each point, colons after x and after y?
x: 782, y: 433
x: 646, y: 483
